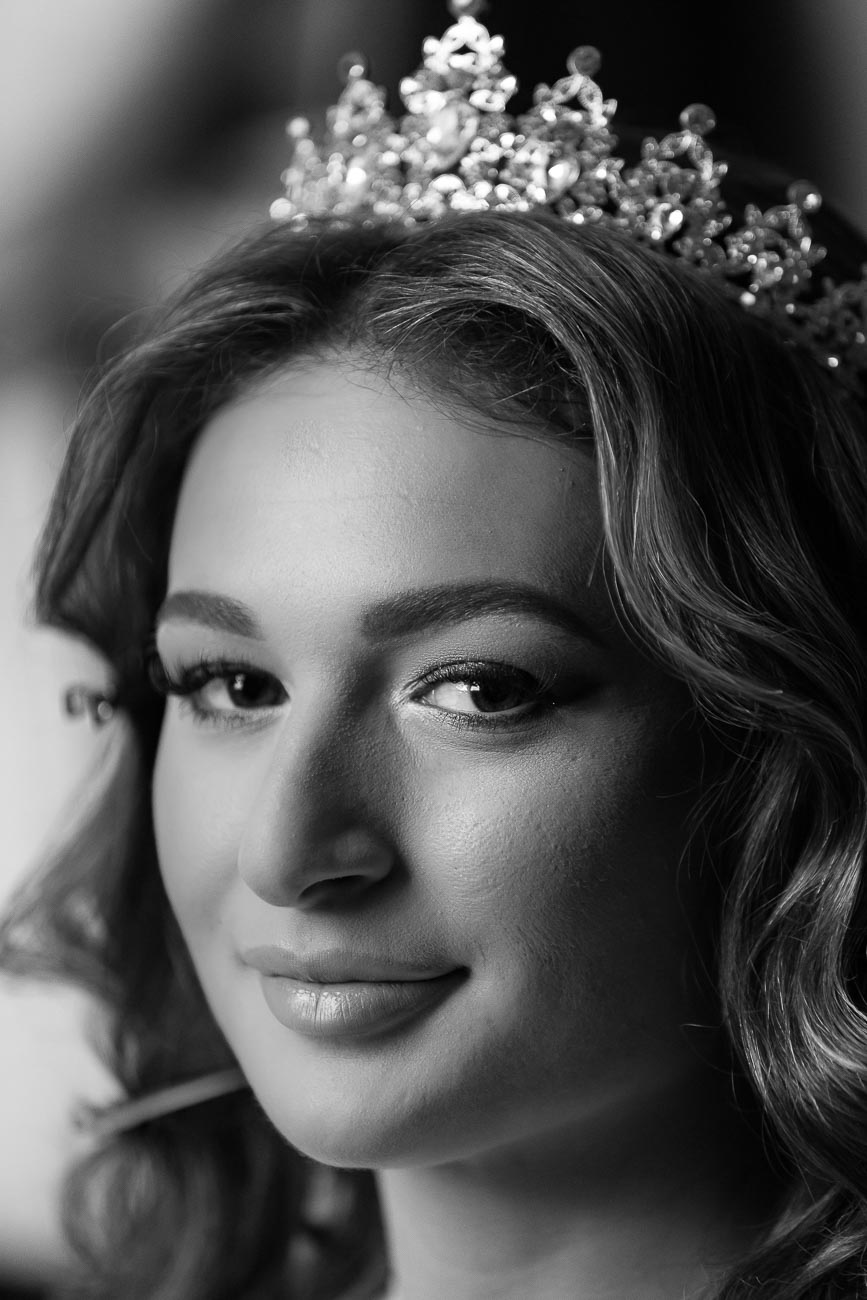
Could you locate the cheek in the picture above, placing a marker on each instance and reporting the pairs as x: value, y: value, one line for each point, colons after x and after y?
x: 198, y: 814
x: 587, y: 815
x: 568, y: 870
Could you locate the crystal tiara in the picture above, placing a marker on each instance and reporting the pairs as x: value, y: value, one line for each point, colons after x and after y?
x: 456, y: 149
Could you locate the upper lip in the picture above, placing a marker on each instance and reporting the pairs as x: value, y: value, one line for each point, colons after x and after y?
x: 338, y: 966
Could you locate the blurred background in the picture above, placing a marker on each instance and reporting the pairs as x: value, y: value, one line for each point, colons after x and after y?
x: 136, y: 138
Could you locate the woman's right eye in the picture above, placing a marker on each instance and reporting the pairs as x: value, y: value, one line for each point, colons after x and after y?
x: 221, y: 692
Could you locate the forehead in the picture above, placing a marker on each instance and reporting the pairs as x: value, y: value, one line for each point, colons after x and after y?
x: 328, y: 475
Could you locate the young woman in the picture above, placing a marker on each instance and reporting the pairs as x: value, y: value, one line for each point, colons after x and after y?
x: 484, y: 599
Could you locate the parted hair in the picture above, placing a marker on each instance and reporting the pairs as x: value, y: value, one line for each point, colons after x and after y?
x: 733, y: 481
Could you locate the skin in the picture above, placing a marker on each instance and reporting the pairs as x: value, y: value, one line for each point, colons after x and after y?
x: 557, y: 1125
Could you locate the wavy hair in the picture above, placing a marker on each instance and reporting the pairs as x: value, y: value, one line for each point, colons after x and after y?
x: 733, y: 482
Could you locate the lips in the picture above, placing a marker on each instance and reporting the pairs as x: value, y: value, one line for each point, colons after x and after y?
x: 342, y: 995
x: 337, y: 966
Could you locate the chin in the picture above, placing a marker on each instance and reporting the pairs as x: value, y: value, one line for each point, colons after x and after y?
x: 356, y: 1137
x: 387, y: 1130
x: 378, y: 1132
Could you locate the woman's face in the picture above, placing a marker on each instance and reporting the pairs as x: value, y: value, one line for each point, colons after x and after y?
x: 421, y: 808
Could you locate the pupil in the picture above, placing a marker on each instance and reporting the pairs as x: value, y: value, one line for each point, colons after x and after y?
x: 245, y: 689
x: 491, y: 697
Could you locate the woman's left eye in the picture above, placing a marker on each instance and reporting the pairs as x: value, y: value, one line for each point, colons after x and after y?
x: 475, y: 692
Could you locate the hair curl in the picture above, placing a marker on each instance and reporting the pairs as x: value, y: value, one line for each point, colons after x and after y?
x: 733, y: 481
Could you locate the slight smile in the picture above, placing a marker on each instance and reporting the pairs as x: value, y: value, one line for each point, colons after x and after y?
x: 341, y: 995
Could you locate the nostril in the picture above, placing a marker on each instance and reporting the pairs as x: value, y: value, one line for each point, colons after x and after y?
x: 335, y: 890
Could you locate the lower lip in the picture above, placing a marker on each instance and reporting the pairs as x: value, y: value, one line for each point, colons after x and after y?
x: 353, y: 1010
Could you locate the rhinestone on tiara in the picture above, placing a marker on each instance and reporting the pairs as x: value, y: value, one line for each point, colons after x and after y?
x: 456, y: 149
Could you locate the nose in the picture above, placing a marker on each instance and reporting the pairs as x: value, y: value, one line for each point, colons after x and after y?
x: 314, y: 835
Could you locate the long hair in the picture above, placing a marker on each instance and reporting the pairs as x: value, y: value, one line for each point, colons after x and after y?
x: 733, y: 483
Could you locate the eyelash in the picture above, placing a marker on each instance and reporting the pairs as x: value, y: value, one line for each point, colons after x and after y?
x: 188, y: 682
x: 486, y: 674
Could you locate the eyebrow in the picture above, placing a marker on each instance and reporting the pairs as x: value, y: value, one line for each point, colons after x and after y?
x: 210, y: 610
x: 395, y: 616
x: 414, y: 611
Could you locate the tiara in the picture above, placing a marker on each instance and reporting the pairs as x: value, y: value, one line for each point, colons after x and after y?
x: 456, y: 149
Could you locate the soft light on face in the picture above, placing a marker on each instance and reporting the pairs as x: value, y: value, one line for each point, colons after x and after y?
x: 422, y: 750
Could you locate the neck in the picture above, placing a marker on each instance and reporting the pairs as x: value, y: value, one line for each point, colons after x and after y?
x: 653, y: 1210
